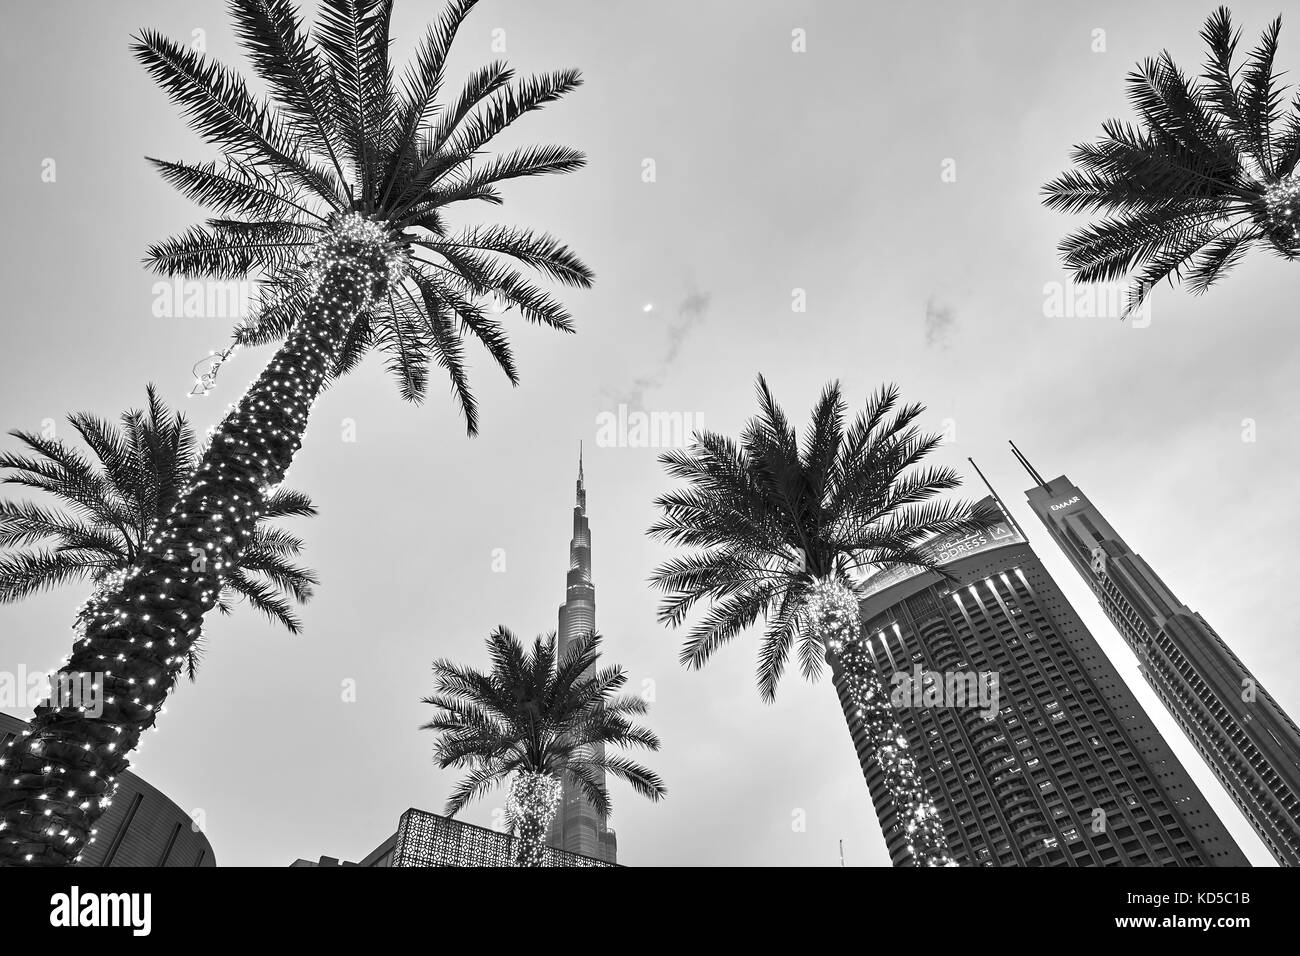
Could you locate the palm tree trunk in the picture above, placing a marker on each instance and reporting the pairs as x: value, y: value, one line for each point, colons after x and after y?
x: 534, y: 798
x: 866, y: 705
x: 56, y: 780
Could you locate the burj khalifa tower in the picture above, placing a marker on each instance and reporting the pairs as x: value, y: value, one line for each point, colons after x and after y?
x: 577, y: 827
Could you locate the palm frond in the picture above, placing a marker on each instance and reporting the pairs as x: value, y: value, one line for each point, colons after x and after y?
x: 275, y: 42
x: 240, y: 188
x: 220, y: 108
x: 105, y: 503
x: 263, y: 597
x: 224, y: 249
x: 25, y: 573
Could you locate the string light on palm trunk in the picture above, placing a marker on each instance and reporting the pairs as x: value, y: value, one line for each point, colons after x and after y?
x: 1282, y: 202
x: 356, y: 263
x: 49, y: 780
x: 529, y: 810
x: 137, y: 631
x: 832, y: 612
x: 358, y: 242
x: 94, y: 604
x: 259, y: 439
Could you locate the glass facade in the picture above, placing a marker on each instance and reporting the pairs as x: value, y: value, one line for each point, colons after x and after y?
x: 1245, y: 737
x: 1034, y: 750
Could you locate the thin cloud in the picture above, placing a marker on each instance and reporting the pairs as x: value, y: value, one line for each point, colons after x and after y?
x: 690, y: 315
x: 940, y: 322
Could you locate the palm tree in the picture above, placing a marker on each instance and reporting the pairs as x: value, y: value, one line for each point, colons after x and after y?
x: 335, y: 194
x: 108, y: 504
x: 781, y: 532
x: 538, y: 722
x: 1207, y: 174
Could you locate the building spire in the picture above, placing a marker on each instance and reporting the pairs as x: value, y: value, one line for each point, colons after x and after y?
x: 997, y: 498
x: 581, y: 497
x: 1020, y: 457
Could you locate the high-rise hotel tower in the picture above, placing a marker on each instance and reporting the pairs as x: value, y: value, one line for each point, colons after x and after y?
x: 577, y: 827
x: 1249, y: 742
x: 1051, y: 762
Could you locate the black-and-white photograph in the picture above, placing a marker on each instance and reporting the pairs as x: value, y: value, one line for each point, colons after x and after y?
x: 779, y: 434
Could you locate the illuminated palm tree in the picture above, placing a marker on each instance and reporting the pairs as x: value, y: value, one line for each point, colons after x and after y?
x: 782, y: 533
x: 536, y: 722
x: 1206, y: 175
x: 336, y: 195
x: 109, y: 503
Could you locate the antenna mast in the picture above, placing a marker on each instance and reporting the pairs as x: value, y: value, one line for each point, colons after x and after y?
x: 1001, y: 505
x: 1033, y: 473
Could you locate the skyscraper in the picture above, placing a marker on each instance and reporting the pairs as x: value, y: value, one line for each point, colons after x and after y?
x: 1033, y: 749
x: 1249, y: 742
x: 577, y: 827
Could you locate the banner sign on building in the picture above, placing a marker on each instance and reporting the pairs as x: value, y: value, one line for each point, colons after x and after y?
x: 943, y: 550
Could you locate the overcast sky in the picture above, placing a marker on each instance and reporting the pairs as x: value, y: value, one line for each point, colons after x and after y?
x: 774, y: 171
